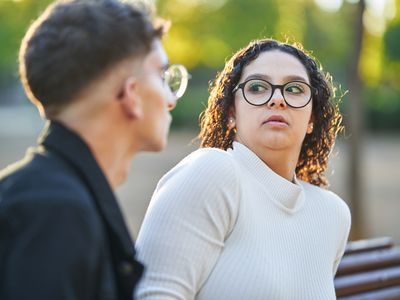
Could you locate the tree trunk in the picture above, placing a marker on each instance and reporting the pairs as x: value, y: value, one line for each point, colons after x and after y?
x: 355, y: 124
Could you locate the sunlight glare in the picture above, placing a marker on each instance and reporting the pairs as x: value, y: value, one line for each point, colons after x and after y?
x: 376, y: 14
x: 329, y: 5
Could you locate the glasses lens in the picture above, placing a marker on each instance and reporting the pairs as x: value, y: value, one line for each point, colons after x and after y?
x: 297, y: 93
x: 257, y: 92
x: 177, y: 77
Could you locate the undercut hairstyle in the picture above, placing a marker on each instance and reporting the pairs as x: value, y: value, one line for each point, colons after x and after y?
x: 313, y: 159
x: 74, y: 42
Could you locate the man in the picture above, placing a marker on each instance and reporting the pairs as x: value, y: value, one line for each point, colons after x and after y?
x: 97, y: 71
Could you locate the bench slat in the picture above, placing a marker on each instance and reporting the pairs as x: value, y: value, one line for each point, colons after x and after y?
x: 365, y: 261
x: 368, y: 245
x: 389, y: 293
x: 365, y: 281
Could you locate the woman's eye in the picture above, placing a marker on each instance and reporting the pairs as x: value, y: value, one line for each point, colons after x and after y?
x: 294, y: 89
x: 257, y: 87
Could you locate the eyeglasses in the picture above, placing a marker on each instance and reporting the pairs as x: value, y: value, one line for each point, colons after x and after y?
x: 296, y: 94
x: 176, y: 77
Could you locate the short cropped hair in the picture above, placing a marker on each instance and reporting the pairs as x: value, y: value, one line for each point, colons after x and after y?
x: 75, y: 42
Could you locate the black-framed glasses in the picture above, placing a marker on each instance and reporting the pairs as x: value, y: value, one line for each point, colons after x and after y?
x: 176, y: 77
x: 296, y: 94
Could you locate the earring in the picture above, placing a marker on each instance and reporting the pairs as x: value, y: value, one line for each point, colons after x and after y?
x: 231, y: 123
x: 310, y: 128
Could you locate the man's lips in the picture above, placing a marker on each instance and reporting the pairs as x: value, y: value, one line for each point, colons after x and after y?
x: 276, y: 120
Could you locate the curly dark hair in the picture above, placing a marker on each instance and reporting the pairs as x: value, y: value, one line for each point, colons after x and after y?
x: 316, y: 147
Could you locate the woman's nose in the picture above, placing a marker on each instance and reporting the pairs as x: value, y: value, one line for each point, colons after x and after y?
x: 277, y: 99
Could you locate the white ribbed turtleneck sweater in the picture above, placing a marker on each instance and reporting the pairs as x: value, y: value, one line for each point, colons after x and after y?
x: 223, y: 226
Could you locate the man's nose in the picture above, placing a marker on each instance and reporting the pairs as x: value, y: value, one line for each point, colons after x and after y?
x: 171, y: 102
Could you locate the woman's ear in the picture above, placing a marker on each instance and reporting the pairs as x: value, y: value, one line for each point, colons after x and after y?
x: 310, y: 126
x: 231, y: 118
x: 130, y: 100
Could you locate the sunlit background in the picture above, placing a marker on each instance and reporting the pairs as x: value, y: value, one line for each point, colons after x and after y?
x: 358, y: 42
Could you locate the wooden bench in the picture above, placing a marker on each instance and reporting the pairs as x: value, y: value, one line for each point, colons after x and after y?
x: 369, y: 270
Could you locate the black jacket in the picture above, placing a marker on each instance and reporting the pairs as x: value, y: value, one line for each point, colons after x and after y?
x: 62, y: 234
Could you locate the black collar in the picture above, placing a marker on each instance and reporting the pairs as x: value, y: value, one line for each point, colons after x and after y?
x: 71, y: 147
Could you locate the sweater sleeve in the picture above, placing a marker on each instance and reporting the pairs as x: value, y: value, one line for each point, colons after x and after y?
x: 346, y: 224
x: 192, y: 211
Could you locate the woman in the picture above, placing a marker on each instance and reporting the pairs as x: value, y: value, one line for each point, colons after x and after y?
x: 245, y: 216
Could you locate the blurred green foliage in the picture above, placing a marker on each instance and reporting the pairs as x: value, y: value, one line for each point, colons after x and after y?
x: 15, y: 17
x: 391, y: 39
x: 205, y: 33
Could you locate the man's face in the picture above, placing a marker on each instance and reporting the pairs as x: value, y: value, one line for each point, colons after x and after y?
x: 157, y: 99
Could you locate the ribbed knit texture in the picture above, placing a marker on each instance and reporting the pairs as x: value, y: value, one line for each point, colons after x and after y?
x: 223, y: 226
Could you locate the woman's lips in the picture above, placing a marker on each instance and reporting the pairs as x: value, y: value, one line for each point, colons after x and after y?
x: 276, y: 120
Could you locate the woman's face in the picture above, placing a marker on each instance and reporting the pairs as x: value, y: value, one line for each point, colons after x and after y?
x: 275, y: 125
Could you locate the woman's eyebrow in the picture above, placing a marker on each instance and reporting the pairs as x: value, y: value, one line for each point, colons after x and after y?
x: 295, y: 77
x: 268, y: 78
x: 258, y: 76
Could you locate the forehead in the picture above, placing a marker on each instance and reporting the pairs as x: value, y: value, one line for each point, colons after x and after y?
x: 277, y: 66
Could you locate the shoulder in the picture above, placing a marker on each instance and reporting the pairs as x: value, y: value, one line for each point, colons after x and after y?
x: 39, y: 184
x: 205, y: 178
x: 326, y: 198
x: 209, y: 157
x: 202, y: 190
x: 52, y: 207
x: 205, y: 164
x: 40, y: 172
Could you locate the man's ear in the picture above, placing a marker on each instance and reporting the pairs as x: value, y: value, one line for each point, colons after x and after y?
x: 130, y: 100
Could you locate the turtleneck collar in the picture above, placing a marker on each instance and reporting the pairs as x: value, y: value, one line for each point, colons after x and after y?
x: 289, y: 196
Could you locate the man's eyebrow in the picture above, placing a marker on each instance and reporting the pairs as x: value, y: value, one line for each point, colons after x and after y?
x: 268, y: 78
